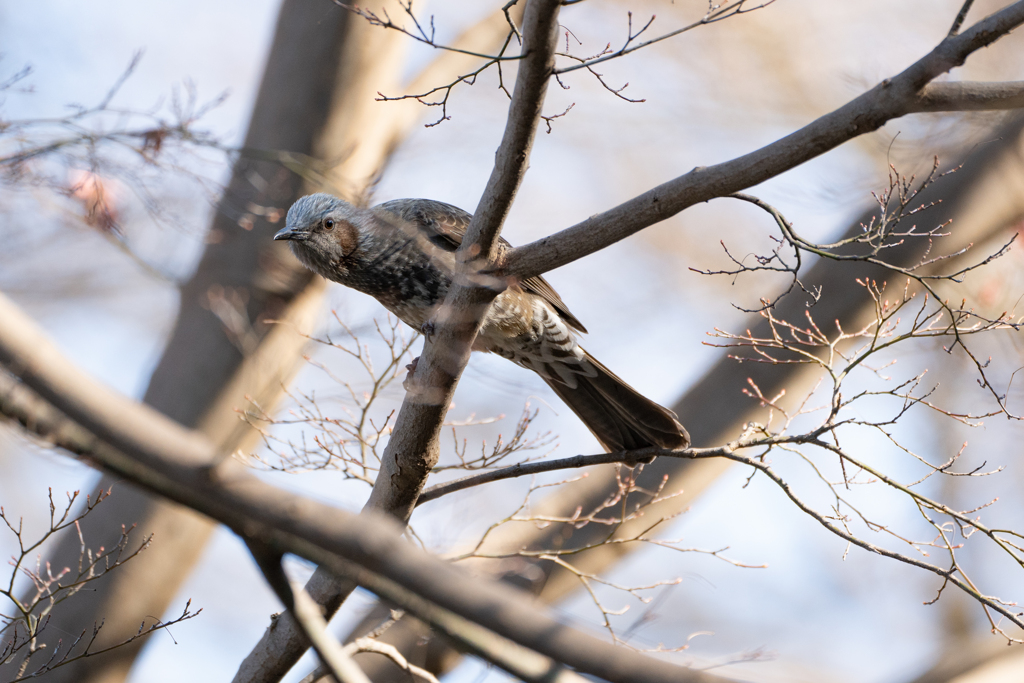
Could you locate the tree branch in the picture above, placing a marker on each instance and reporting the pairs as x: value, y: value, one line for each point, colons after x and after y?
x: 540, y: 36
x: 969, y: 96
x: 413, y: 449
x: 892, y: 98
x: 712, y: 406
x: 308, y: 615
x: 367, y: 548
x: 523, y: 469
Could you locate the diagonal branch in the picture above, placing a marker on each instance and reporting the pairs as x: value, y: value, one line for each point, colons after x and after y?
x: 308, y: 615
x: 367, y: 549
x: 540, y: 35
x: 892, y: 98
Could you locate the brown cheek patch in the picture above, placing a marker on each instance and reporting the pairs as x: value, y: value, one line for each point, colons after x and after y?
x: 346, y: 237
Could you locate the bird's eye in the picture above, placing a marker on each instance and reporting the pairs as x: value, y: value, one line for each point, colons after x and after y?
x: 329, y: 223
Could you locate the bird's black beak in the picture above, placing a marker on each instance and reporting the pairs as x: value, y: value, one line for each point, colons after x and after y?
x: 291, y: 233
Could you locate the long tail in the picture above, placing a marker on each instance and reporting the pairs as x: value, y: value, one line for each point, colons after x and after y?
x: 621, y: 418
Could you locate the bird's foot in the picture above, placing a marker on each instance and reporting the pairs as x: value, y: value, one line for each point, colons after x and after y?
x: 408, y: 382
x: 419, y: 391
x: 638, y: 457
x: 427, y: 330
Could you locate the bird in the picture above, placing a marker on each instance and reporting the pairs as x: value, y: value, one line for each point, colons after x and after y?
x: 402, y: 253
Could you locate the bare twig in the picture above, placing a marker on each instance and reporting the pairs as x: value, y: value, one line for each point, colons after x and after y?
x: 960, y: 16
x: 23, y: 630
x: 715, y: 14
x: 419, y: 33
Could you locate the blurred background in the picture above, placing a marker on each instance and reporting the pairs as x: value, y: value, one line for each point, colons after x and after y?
x: 816, y: 610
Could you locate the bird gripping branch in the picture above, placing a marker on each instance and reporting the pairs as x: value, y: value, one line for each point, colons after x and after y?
x: 402, y: 253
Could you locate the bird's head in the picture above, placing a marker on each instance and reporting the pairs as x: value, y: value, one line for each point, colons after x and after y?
x: 324, y: 232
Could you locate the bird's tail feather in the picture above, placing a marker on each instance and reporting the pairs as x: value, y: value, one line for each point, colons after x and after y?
x: 619, y: 416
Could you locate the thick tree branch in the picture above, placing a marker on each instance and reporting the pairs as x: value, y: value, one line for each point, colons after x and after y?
x: 184, y: 468
x: 969, y: 96
x: 890, y: 99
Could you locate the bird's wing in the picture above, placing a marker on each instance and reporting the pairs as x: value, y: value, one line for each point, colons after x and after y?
x: 445, y: 225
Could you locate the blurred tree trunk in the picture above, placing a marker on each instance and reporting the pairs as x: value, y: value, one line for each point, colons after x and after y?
x: 966, y: 652
x: 977, y: 661
x: 982, y: 199
x: 222, y: 349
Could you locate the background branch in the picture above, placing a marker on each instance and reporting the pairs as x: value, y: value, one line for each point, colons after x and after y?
x: 890, y: 99
x: 203, y: 376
